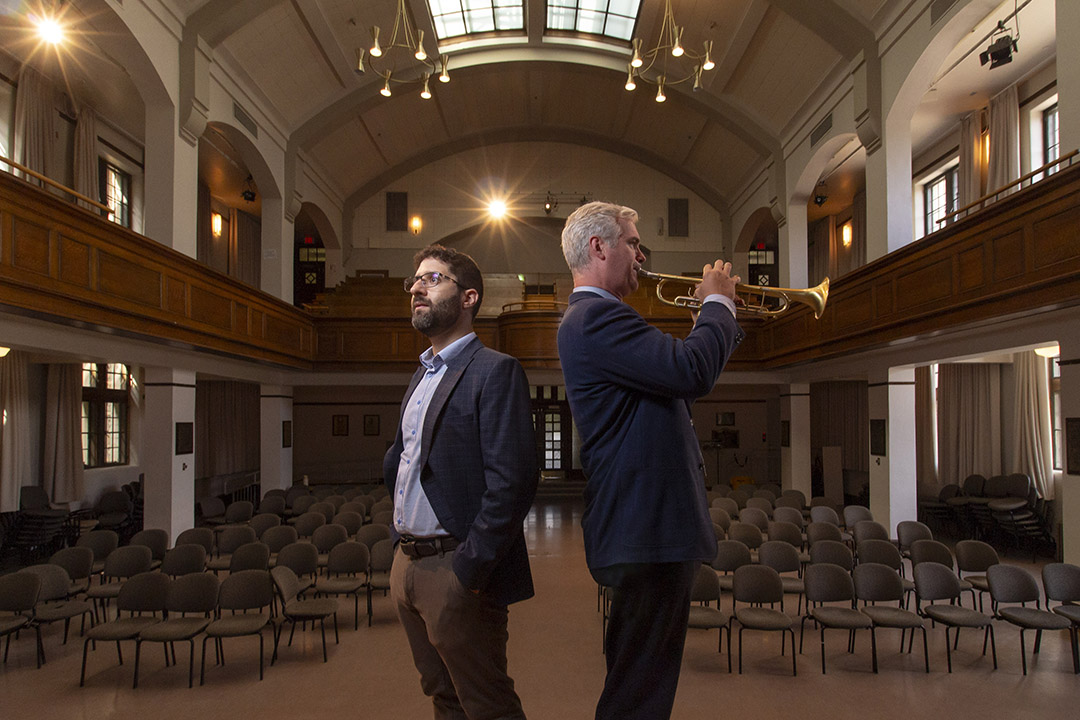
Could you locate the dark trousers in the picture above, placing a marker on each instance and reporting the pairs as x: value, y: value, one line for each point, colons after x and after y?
x: 646, y: 631
x: 458, y: 640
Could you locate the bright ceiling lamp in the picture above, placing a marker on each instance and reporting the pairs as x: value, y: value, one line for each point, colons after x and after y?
x: 49, y: 30
x: 497, y: 209
x: 669, y: 61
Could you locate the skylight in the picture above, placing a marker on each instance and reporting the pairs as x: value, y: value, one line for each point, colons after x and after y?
x: 456, y: 18
x: 610, y: 18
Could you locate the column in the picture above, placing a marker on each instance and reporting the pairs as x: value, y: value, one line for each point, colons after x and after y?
x: 277, y: 250
x: 888, y: 194
x: 893, y: 488
x: 171, y: 181
x: 1070, y: 483
x: 795, y: 458
x: 276, y: 437
x: 169, y: 419
x: 1068, y: 80
x: 792, y: 242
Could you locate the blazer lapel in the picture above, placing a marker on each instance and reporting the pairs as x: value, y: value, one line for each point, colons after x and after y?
x: 454, y: 370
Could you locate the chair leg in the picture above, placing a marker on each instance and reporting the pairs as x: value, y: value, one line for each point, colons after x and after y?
x: 948, y: 648
x: 740, y: 650
x: 138, y: 651
x: 925, y: 652
x: 794, y: 670
x: 191, y: 664
x: 1023, y: 652
x: 261, y: 655
x: 322, y: 627
x: 873, y: 649
x: 82, y: 675
x: 993, y: 645
x: 202, y: 669
x: 822, y: 649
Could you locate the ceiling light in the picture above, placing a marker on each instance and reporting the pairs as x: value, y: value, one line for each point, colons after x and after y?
x: 376, y: 49
x: 50, y: 30
x: 550, y: 203
x: 360, y: 61
x: 385, y: 92
x: 426, y: 92
x: 401, y: 58
x: 4, y: 351
x: 999, y: 53
x: 420, y: 54
x: 668, y: 62
x: 1050, y: 351
x: 416, y: 225
x: 497, y: 209
x: 820, y: 200
x: 444, y: 76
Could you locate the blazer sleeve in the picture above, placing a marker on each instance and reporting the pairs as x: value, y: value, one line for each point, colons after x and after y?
x: 508, y: 453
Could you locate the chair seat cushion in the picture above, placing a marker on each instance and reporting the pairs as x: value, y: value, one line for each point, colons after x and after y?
x: 10, y: 623
x: 221, y: 562
x: 108, y: 590
x: 380, y: 580
x: 892, y: 617
x: 841, y: 617
x: 49, y: 612
x: 1034, y: 619
x: 727, y: 581
x: 112, y: 519
x: 181, y: 628
x: 1070, y: 611
x: 240, y: 624
x: 121, y: 629
x: 318, y: 608
x: 957, y: 615
x: 793, y: 585
x: 762, y: 619
x: 702, y: 617
x: 340, y: 585
x: 979, y: 582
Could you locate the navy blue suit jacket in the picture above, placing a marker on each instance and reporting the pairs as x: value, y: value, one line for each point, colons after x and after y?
x: 630, y: 387
x: 478, y: 467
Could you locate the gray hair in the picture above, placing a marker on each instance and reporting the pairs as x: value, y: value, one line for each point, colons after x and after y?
x: 595, y: 219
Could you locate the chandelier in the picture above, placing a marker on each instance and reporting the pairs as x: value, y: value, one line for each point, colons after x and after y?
x: 403, y: 58
x: 669, y: 61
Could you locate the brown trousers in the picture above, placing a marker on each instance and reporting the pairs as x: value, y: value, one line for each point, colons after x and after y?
x: 458, y: 640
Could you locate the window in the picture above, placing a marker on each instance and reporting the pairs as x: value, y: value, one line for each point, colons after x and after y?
x: 942, y: 195
x: 1056, y: 423
x: 611, y: 18
x: 454, y: 18
x: 115, y: 186
x: 105, y: 414
x: 1051, y: 142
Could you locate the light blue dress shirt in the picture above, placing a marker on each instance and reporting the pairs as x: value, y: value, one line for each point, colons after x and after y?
x: 413, y: 514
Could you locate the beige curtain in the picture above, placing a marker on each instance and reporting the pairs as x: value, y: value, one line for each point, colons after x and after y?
x: 62, y: 466
x: 248, y: 255
x: 34, y: 122
x: 86, y: 156
x: 839, y: 415
x: 1003, y: 165
x: 969, y: 421
x: 970, y: 171
x: 226, y: 427
x: 926, y: 474
x: 14, y: 429
x: 1032, y: 447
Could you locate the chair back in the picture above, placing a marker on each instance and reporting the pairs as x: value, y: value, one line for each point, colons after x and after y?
x: 824, y: 514
x: 731, y: 555
x: 975, y: 556
x: 1011, y: 584
x: 819, y: 531
x: 233, y: 537
x: 323, y: 491
x: 19, y: 592
x: 351, y: 521
x: 720, y: 517
x: 300, y: 557
x: 250, y: 556
x: 791, y: 515
x: 826, y: 583
x: 755, y: 516
x: 763, y: 504
x: 382, y: 556
x: 193, y: 593
x: 740, y: 497
x: 706, y: 587
x: 780, y: 556
x: 934, y: 581
x: 832, y: 552
x: 908, y: 531
x: 337, y: 501
x: 239, y: 511
x: 286, y: 583
x: 302, y: 503
x: 263, y: 522
x: 868, y: 530
x: 382, y: 505
x: 184, y: 560
x: 327, y: 510
x: 116, y: 501
x: 973, y: 485
x: 1018, y: 485
x: 326, y: 537
x: 855, y: 513
x: 798, y: 495
x: 102, y: 542
x: 757, y: 584
x: 307, y: 523
x: 1062, y: 582
x: 273, y: 504
x: 278, y: 537
x: 727, y: 504
x: 246, y: 590
x: 211, y: 507
x: 348, y: 558
x: 931, y: 551
x: 747, y: 534
x: 55, y: 582
x: 127, y: 561
x: 154, y: 538
x: 875, y: 582
x: 197, y: 536
x: 145, y: 592
x: 371, y: 534
x: 353, y: 506
x: 881, y: 552
x: 787, y: 532
x: 383, y: 517
x: 77, y: 561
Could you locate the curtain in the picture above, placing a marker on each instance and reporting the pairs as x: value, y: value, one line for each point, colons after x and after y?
x: 86, y: 157
x: 226, y: 427
x: 248, y: 265
x: 1033, y: 450
x: 858, y: 230
x: 62, y: 467
x: 839, y: 415
x: 969, y: 421
x: 1003, y: 165
x: 926, y: 476
x: 14, y: 429
x: 818, y: 244
x: 970, y: 170
x: 34, y: 122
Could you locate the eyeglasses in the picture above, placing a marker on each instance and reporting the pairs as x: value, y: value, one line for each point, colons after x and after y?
x: 428, y: 280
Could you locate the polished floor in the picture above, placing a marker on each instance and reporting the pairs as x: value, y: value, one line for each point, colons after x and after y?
x: 556, y: 661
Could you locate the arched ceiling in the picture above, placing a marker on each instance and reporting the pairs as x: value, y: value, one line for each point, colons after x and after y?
x: 774, y: 60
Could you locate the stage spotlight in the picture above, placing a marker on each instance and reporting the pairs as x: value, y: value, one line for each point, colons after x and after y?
x: 999, y: 53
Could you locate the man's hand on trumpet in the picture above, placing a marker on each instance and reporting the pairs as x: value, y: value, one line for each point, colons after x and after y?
x: 717, y: 279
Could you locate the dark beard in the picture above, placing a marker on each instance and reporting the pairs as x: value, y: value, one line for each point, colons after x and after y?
x: 440, y: 316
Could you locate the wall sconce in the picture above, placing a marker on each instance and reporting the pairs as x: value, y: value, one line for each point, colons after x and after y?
x: 215, y: 224
x: 416, y: 225
x: 845, y: 234
x: 4, y: 351
x: 550, y: 203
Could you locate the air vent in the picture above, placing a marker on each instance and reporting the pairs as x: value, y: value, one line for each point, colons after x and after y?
x: 939, y: 8
x: 821, y: 130
x: 245, y: 119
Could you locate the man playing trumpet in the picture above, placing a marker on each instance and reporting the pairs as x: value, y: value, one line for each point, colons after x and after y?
x: 630, y: 388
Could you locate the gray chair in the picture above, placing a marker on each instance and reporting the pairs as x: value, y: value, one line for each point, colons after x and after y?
x: 18, y: 595
x: 706, y: 589
x: 301, y: 504
x: 763, y: 504
x: 746, y: 533
x: 184, y: 560
x: 854, y: 514
x: 278, y: 537
x: 730, y: 556
x: 273, y: 505
x: 755, y: 516
x: 247, y: 596
x: 832, y: 552
x: 337, y: 500
x: 326, y: 508
x: 307, y: 523
x: 371, y: 534
x: 908, y: 531
x: 197, y: 536
x: 212, y: 511
x: 121, y: 564
x: 346, y: 574
x: 827, y: 583
x: 818, y: 531
x: 1061, y: 583
x: 932, y: 551
x: 263, y: 522
x: 383, y: 517
x: 54, y: 602
x: 382, y: 559
x: 876, y: 583
x: 758, y: 585
x: 228, y: 540
x: 720, y: 517
x: 791, y: 534
x: 884, y: 552
x: 790, y: 515
x: 79, y: 563
x: 190, y: 602
x: 144, y: 598
x: 295, y: 610
x: 350, y: 520
x: 868, y: 530
x: 976, y: 556
x: 784, y: 558
x: 934, y: 581
x: 302, y: 558
x: 1010, y: 584
x: 355, y: 506
x: 726, y: 504
x: 157, y: 540
x: 250, y: 556
x: 325, y: 538
x: 101, y: 542
x: 239, y: 511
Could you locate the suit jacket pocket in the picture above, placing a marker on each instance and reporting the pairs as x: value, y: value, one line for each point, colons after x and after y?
x: 656, y: 507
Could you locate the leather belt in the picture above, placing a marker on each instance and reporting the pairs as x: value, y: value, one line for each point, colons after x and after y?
x: 414, y: 547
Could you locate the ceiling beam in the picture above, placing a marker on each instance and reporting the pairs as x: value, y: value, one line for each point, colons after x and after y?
x: 845, y: 32
x: 340, y: 62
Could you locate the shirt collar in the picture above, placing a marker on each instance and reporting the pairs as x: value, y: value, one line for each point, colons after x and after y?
x: 593, y: 289
x: 432, y: 361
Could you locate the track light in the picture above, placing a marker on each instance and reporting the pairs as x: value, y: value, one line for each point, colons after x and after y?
x: 999, y: 53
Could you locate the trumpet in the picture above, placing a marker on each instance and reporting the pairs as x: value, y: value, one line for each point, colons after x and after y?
x: 753, y: 295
